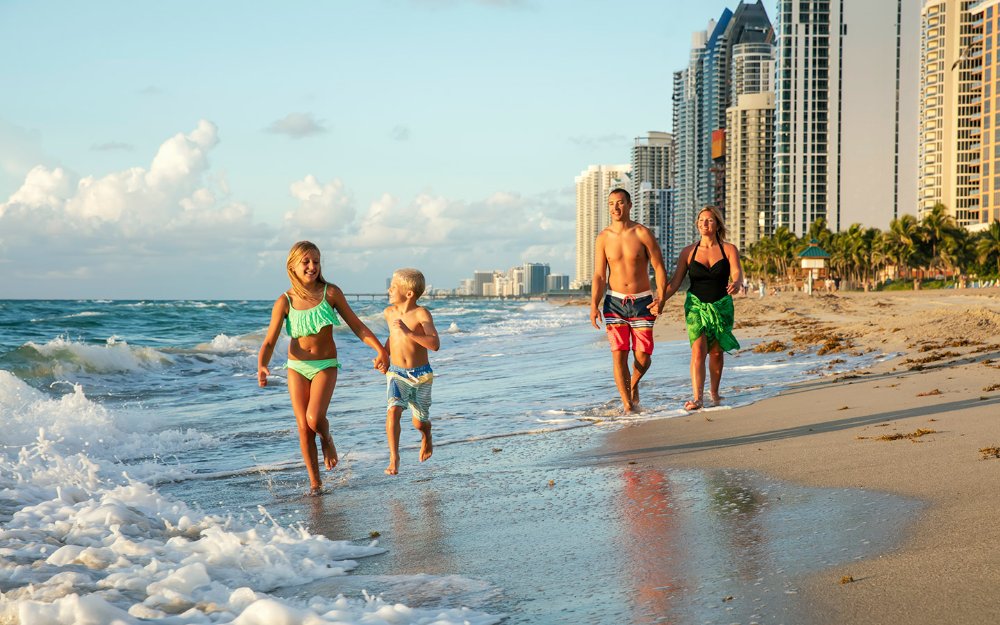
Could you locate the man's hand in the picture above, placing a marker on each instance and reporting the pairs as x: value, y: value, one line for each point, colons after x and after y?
x: 595, y: 317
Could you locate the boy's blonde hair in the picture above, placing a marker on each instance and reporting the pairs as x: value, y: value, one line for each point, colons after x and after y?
x: 295, y: 255
x: 411, y: 279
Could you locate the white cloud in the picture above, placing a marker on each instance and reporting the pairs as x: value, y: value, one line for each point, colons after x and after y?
x: 171, y: 229
x: 321, y: 207
x: 112, y: 146
x: 124, y: 226
x: 297, y: 125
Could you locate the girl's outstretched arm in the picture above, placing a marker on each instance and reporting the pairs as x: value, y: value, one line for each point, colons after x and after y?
x: 336, y: 298
x: 278, y: 313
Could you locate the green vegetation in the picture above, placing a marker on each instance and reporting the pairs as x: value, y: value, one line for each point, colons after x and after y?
x: 934, y: 252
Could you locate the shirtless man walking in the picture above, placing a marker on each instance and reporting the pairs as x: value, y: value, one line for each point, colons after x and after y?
x: 622, y: 256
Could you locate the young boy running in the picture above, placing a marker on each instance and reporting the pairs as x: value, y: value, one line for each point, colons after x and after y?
x: 408, y: 381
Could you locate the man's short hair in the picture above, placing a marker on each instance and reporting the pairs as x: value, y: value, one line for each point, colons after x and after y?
x: 411, y: 279
x: 628, y: 196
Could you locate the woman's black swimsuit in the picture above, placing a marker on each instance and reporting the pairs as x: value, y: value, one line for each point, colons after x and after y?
x: 709, y: 284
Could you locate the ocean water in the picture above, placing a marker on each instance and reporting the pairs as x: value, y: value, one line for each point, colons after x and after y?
x: 144, y: 476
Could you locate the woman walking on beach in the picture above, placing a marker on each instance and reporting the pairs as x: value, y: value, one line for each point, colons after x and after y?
x: 309, y: 312
x: 714, y: 268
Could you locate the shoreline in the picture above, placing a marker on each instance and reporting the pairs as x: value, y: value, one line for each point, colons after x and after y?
x: 826, y: 432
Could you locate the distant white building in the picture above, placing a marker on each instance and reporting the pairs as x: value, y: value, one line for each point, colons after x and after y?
x: 593, y: 186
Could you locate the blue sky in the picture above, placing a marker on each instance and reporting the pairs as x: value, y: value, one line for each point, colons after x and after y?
x: 178, y: 149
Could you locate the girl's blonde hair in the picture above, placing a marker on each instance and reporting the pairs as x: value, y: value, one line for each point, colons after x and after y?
x: 720, y: 222
x: 295, y: 255
x: 411, y: 279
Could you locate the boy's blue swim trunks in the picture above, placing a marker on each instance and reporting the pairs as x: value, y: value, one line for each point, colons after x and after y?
x: 410, y: 387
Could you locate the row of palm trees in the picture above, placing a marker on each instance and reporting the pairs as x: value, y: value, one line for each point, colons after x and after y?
x: 908, y: 249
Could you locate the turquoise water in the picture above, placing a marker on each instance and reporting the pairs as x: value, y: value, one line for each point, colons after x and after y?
x: 144, y: 471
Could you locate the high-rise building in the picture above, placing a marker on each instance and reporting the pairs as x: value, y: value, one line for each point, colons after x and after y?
x: 592, y: 189
x: 535, y: 275
x: 748, y: 24
x: 987, y: 24
x: 557, y: 282
x: 880, y: 96
x: 845, y: 84
x: 653, y: 166
x: 750, y: 145
x: 808, y: 114
x: 750, y: 169
x: 690, y: 136
x: 480, y: 280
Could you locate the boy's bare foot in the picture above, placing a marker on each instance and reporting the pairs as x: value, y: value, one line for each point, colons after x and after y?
x: 329, y: 451
x: 393, y: 468
x: 426, y: 446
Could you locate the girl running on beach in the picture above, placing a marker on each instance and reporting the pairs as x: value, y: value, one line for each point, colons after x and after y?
x: 309, y: 312
x: 714, y: 268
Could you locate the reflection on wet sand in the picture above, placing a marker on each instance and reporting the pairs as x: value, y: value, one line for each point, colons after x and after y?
x: 651, y: 546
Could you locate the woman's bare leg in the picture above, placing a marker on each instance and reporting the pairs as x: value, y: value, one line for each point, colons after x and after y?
x: 699, y: 350
x: 716, y: 359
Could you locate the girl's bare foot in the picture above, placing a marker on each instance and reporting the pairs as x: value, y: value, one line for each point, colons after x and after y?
x: 329, y: 451
x: 315, y: 491
x: 426, y: 447
x: 393, y: 467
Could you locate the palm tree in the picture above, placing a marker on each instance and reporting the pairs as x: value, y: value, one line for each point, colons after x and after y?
x: 988, y: 245
x: 900, y: 242
x: 957, y: 252
x: 936, y: 226
x: 783, y: 244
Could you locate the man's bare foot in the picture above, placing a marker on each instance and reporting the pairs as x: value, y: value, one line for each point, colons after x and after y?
x: 393, y: 468
x: 627, y: 408
x: 635, y: 395
x: 329, y: 451
x: 426, y: 447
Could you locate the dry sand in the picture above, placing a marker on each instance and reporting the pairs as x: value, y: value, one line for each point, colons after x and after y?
x: 828, y: 433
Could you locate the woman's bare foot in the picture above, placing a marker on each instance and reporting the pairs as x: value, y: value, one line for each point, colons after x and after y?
x: 393, y: 467
x: 717, y: 399
x: 329, y: 451
x: 692, y: 404
x: 426, y: 446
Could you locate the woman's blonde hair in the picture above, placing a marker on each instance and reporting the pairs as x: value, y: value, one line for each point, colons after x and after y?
x: 295, y: 255
x: 720, y: 221
x: 411, y: 279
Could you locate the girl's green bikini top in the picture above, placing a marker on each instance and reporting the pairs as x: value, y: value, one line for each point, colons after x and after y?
x: 311, y: 321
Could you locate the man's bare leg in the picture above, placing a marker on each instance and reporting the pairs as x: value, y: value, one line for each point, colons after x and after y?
x: 623, y: 379
x: 392, y: 435
x: 426, y: 444
x: 641, y: 366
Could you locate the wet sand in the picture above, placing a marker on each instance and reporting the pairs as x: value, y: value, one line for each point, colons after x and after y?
x: 920, y: 425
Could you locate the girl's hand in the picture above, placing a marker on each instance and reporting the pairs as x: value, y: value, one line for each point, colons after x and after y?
x: 262, y: 373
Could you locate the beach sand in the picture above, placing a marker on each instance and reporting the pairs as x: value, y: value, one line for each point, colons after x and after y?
x: 944, y: 379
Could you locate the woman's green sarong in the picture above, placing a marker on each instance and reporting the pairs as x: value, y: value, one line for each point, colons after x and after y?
x: 714, y: 320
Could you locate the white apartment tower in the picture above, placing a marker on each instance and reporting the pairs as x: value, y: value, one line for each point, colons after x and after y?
x: 653, y: 165
x: 750, y: 145
x: 950, y: 108
x: 592, y: 188
x: 846, y: 85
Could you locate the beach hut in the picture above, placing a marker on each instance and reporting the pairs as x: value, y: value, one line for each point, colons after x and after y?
x: 813, y: 260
